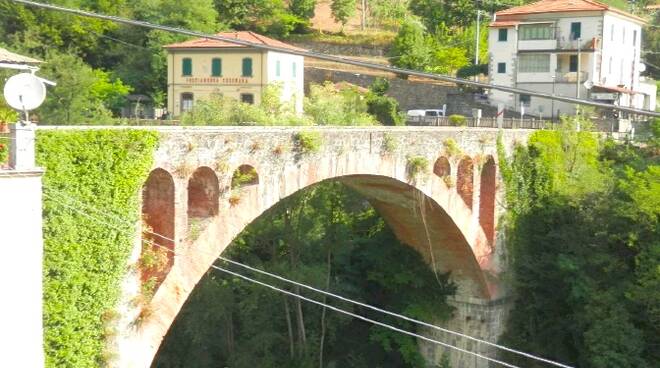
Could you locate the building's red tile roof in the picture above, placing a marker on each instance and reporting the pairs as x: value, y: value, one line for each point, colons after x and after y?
x: 557, y: 6
x: 504, y: 23
x: 248, y: 36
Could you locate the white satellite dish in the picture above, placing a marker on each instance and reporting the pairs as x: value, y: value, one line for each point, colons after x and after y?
x: 24, y: 92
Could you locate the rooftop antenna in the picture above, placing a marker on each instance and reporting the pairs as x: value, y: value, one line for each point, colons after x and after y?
x: 25, y: 92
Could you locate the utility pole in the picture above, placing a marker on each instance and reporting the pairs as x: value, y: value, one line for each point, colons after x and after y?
x: 577, y: 82
x: 476, y: 46
x: 364, y: 14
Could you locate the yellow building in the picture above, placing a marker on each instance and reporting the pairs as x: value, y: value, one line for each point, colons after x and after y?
x: 199, y: 68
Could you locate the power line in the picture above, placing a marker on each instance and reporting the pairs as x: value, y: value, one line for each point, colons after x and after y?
x: 364, y: 318
x: 392, y: 313
x: 300, y: 296
x: 527, y: 355
x: 338, y: 59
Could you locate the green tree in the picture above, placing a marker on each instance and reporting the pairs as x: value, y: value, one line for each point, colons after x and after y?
x: 584, y: 227
x: 342, y: 10
x: 82, y: 96
x: 411, y: 48
x: 303, y: 8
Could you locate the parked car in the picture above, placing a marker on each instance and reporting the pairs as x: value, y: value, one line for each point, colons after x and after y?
x: 425, y: 115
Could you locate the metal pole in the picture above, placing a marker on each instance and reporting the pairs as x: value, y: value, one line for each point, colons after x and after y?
x: 364, y: 14
x: 577, y: 82
x: 476, y: 46
x: 552, y: 109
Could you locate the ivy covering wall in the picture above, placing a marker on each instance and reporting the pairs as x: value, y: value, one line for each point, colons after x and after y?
x: 85, y: 260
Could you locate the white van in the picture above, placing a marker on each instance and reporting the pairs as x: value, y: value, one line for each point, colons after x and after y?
x: 426, y: 115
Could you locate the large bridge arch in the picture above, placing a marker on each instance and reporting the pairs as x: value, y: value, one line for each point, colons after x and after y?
x: 424, y: 212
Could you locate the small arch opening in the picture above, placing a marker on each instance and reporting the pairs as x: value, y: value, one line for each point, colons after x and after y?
x: 203, y: 193
x: 487, y: 190
x: 441, y: 167
x: 465, y: 180
x: 157, y: 254
x: 243, y: 176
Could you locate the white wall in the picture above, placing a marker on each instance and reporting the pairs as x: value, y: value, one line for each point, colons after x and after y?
x: 292, y: 87
x: 21, y: 244
x: 620, y: 51
x: 502, y: 51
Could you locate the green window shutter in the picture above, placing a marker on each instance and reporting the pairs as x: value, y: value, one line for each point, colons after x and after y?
x: 247, y: 67
x: 186, y: 67
x: 293, y: 70
x: 277, y: 68
x: 216, y: 67
x: 576, y: 30
x: 503, y: 34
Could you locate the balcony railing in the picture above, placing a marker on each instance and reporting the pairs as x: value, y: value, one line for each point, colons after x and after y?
x: 571, y: 77
x: 566, y: 43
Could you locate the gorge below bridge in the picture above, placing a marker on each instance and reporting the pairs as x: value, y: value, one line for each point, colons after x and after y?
x: 439, y: 189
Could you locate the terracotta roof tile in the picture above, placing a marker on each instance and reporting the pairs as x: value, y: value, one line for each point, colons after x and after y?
x: 504, y: 23
x: 240, y: 35
x: 557, y: 6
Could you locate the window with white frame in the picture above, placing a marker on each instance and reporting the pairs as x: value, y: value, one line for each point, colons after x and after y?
x: 534, y: 63
x: 540, y: 31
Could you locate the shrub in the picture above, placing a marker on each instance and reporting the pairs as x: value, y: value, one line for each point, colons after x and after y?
x: 389, y: 143
x: 328, y: 106
x: 457, y: 120
x: 308, y: 142
x: 417, y: 166
x: 244, y: 175
x: 451, y: 147
x: 4, y: 153
x: 385, y: 109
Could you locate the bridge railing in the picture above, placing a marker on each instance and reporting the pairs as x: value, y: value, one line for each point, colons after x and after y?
x: 599, y: 125
x: 507, y: 123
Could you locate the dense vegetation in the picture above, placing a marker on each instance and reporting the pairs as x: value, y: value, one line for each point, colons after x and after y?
x: 327, y: 104
x: 97, y: 63
x: 85, y: 260
x: 585, y: 244
x: 329, y: 237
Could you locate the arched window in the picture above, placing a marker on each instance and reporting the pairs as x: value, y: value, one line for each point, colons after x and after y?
x: 247, y: 67
x: 487, y: 198
x: 465, y: 181
x: 243, y: 176
x: 441, y: 167
x: 203, y: 193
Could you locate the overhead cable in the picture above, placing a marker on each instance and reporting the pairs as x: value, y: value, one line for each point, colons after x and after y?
x: 345, y: 299
x: 337, y: 59
x: 82, y: 212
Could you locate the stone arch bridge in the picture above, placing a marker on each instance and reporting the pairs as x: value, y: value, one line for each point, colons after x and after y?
x: 437, y: 188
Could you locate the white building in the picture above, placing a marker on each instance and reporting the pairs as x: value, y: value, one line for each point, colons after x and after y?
x: 570, y: 48
x: 202, y: 67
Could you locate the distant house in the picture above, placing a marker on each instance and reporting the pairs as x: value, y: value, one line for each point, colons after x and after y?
x: 569, y: 48
x: 199, y: 68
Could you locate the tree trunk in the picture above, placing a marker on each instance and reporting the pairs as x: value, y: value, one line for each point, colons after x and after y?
x: 289, y: 327
x: 325, y: 298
